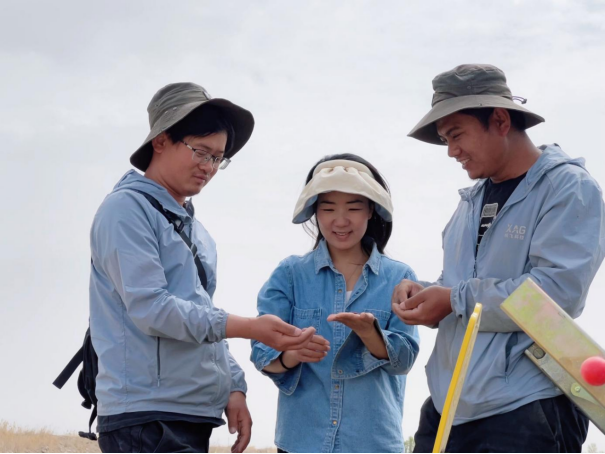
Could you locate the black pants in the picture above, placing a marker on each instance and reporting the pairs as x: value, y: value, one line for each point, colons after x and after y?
x: 547, y: 425
x: 158, y: 436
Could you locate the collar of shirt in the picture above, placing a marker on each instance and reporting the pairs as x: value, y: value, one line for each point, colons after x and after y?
x: 323, y: 259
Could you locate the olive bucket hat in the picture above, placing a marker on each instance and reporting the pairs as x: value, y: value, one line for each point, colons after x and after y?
x: 174, y: 102
x: 468, y: 87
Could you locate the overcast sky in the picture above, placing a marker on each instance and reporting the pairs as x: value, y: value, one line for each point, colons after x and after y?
x: 320, y: 78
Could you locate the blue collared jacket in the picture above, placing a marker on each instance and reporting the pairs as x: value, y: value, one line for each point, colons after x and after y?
x: 350, y: 401
x: 156, y: 331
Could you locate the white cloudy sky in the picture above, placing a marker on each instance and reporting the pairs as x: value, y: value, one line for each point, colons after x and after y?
x: 320, y: 77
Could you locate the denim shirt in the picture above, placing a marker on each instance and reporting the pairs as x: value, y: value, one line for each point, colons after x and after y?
x: 350, y: 401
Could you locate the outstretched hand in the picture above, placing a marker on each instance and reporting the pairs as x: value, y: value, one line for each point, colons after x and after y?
x: 362, y: 324
x: 275, y: 333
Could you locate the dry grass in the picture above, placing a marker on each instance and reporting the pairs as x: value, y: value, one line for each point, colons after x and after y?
x: 15, y: 439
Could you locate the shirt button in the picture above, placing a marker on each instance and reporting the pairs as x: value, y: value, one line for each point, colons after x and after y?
x: 337, y: 387
x: 340, y: 372
x: 334, y: 423
x: 339, y: 290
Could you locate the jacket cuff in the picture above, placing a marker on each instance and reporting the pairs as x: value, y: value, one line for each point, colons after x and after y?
x: 238, y: 382
x: 222, y: 324
x: 457, y: 302
x: 243, y: 390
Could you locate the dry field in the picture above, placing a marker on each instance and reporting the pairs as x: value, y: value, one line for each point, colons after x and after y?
x: 15, y: 439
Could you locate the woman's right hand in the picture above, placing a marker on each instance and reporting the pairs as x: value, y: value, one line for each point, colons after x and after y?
x: 316, y: 350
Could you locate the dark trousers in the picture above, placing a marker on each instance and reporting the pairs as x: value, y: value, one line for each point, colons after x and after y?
x: 158, y: 436
x: 547, y: 425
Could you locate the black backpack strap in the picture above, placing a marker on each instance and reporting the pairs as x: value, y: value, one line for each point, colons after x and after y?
x: 198, y: 263
x: 90, y: 435
x: 69, y: 369
x: 178, y: 227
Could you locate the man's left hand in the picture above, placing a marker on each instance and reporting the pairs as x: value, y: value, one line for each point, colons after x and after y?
x: 239, y: 420
x: 427, y: 307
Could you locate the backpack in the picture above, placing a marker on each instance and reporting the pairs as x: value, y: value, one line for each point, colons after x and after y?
x: 86, y: 380
x: 87, y: 355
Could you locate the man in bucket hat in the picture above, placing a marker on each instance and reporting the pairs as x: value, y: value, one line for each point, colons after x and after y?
x: 165, y: 372
x: 534, y: 212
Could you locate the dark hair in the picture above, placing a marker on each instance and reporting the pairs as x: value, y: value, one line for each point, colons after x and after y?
x: 202, y: 122
x: 483, y: 114
x: 378, y: 231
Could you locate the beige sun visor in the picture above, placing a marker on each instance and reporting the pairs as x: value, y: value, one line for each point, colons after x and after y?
x: 343, y: 176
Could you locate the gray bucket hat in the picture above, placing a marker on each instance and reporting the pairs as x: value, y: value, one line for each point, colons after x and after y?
x: 468, y: 87
x: 174, y: 102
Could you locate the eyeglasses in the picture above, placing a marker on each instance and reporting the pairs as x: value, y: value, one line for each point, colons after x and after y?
x: 202, y: 157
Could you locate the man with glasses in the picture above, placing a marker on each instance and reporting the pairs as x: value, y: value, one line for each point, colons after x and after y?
x: 165, y: 372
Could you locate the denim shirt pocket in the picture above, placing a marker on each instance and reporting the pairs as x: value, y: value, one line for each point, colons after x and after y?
x: 381, y: 316
x: 305, y: 318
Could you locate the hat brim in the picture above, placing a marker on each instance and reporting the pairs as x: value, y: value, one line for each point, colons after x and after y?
x: 240, y: 118
x: 346, y: 176
x: 426, y: 130
x: 307, y: 211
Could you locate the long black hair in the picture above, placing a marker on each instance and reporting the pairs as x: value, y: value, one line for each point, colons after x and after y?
x: 378, y: 231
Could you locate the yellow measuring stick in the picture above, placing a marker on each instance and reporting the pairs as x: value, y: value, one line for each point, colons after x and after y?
x: 453, y: 392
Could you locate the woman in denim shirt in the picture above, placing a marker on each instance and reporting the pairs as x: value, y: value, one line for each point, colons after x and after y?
x: 344, y: 391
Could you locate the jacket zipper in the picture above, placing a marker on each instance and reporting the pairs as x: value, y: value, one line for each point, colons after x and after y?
x: 512, y: 341
x: 158, y: 358
x: 500, y: 213
x: 504, y: 209
x: 473, y: 235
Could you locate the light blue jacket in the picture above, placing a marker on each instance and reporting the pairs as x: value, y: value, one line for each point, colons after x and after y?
x: 158, y: 336
x: 350, y: 401
x: 552, y: 229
